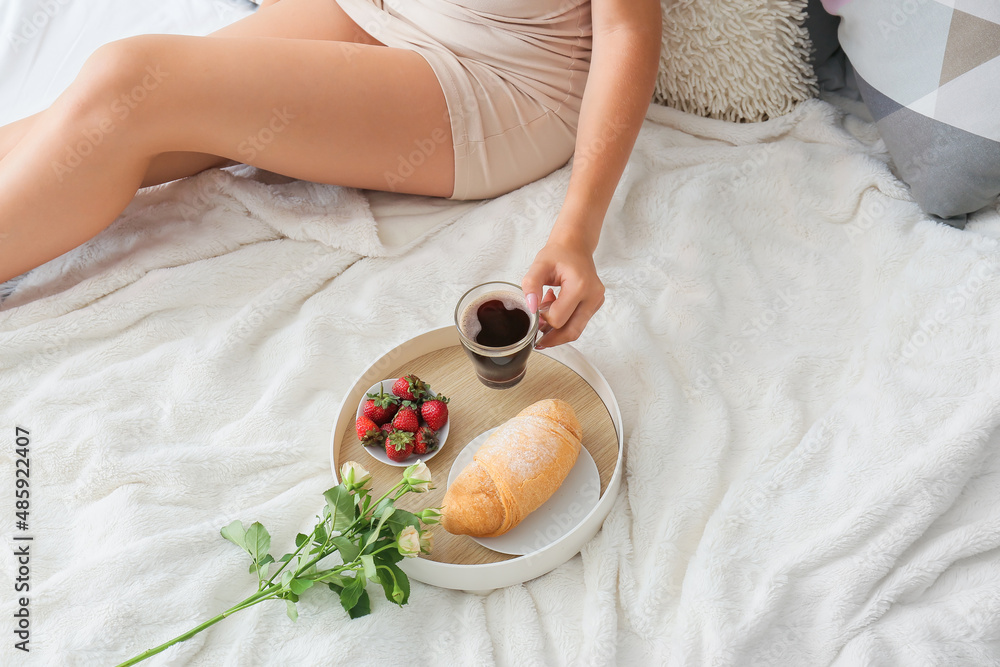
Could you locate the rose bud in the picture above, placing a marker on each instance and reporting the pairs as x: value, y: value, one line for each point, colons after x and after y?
x: 426, y: 541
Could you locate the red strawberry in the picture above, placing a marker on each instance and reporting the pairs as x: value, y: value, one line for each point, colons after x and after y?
x: 399, y: 445
x: 381, y: 407
x: 368, y: 432
x: 409, y: 387
x: 427, y: 441
x: 387, y: 428
x: 406, y: 419
x: 435, y: 411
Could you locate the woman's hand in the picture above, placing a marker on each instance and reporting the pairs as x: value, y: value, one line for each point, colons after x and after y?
x: 570, y: 266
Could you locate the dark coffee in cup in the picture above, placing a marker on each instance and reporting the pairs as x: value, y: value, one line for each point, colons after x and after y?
x: 498, y: 335
x: 500, y: 322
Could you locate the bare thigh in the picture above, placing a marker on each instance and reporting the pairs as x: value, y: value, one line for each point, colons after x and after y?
x: 318, y: 110
x: 293, y: 19
x: 290, y: 19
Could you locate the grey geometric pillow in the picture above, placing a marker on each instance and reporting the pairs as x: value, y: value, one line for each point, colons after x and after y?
x: 929, y: 73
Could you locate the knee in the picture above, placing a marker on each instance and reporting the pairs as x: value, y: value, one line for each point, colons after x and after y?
x: 118, y: 80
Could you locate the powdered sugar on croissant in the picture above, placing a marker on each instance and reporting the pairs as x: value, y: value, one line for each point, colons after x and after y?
x: 516, y: 470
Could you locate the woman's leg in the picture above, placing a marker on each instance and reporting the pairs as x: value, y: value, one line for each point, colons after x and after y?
x: 296, y: 19
x: 164, y: 167
x: 324, y: 111
x: 11, y: 133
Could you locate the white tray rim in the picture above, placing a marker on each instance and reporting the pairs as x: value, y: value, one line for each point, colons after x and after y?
x: 483, y: 577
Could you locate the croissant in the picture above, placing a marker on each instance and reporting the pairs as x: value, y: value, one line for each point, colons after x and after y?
x: 515, y: 471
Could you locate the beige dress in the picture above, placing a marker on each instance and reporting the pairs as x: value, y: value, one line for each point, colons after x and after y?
x: 512, y: 72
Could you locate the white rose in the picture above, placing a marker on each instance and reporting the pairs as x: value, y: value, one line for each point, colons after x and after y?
x: 354, y: 474
x: 418, y: 476
x: 408, y: 542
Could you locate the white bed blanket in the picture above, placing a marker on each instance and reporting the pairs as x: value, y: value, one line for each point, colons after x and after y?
x: 807, y: 370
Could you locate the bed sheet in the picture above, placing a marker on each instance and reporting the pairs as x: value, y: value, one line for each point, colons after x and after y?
x: 808, y: 370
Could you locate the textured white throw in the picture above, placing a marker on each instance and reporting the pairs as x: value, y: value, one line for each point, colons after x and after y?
x: 807, y: 369
x: 742, y: 60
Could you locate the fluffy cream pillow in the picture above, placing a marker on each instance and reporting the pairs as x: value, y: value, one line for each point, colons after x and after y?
x: 741, y: 60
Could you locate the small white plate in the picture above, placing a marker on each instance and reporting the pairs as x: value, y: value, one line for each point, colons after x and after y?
x: 379, y: 452
x: 561, y: 513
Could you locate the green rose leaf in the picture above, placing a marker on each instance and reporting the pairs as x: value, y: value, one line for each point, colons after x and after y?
x: 235, y: 533
x: 290, y: 609
x: 301, y: 539
x: 258, y: 541
x: 373, y: 535
x: 368, y: 539
x: 389, y: 556
x: 300, y: 586
x: 363, y: 606
x: 400, y: 519
x: 320, y: 533
x: 382, y: 507
x: 369, y: 563
x: 348, y: 550
x: 335, y: 581
x: 352, y: 593
x: 341, y: 504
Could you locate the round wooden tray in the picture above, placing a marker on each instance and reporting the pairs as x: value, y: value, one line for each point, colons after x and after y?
x: 438, y: 359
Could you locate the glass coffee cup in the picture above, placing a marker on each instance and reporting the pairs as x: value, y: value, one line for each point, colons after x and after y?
x: 497, y: 332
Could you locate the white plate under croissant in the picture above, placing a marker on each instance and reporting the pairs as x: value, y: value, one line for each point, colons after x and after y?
x: 559, y: 515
